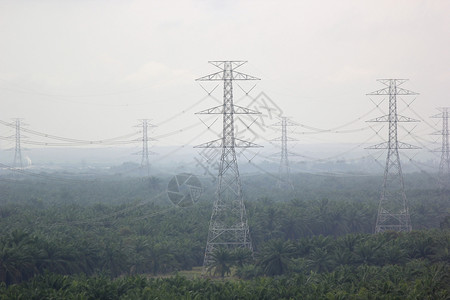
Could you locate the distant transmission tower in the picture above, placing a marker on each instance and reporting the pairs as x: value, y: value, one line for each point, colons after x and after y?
x: 145, y: 163
x: 284, y: 177
x: 18, y: 163
x: 393, y: 211
x: 228, y: 227
x: 444, y: 165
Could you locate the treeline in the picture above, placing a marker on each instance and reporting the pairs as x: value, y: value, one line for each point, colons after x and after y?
x: 418, y: 249
x: 137, y: 238
x: 76, y: 243
x: 131, y: 239
x: 364, y: 283
x: 355, y: 266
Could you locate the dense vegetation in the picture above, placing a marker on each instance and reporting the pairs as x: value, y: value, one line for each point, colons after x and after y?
x: 108, y: 237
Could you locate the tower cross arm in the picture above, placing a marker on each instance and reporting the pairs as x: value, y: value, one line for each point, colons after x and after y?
x: 242, y: 76
x: 221, y: 63
x: 386, y: 91
x: 439, y: 132
x: 387, y: 82
x: 222, y: 75
x: 238, y: 143
x: 279, y: 139
x: 379, y: 146
x: 440, y: 116
x: 135, y: 140
x: 400, y: 145
x: 212, y: 77
x: 245, y: 111
x: 288, y: 123
x: 236, y: 110
x: 400, y: 118
x: 212, y: 144
x: 210, y: 111
x: 401, y: 91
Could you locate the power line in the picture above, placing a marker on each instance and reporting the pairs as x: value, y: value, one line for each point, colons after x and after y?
x: 420, y: 117
x: 69, y: 140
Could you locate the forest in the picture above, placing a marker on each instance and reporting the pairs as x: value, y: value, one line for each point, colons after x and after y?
x: 115, y: 237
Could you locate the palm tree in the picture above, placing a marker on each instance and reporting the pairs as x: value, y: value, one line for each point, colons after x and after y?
x: 140, y: 247
x: 276, y: 257
x: 394, y: 254
x: 442, y: 247
x: 16, y: 260
x: 290, y: 227
x: 342, y: 256
x: 241, y: 256
x: 356, y: 216
x: 367, y: 252
x: 52, y: 258
x: 160, y: 258
x: 18, y: 237
x: 321, y: 241
x: 9, y: 269
x: 222, y: 260
x: 113, y: 258
x: 349, y: 241
x: 270, y: 223
x: 320, y: 260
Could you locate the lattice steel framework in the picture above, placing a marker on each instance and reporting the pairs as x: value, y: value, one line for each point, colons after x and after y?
x: 444, y: 165
x: 228, y: 227
x: 393, y: 212
x: 145, y: 163
x: 18, y: 163
x: 284, y: 172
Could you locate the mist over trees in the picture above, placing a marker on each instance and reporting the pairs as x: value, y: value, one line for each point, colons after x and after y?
x: 120, y: 237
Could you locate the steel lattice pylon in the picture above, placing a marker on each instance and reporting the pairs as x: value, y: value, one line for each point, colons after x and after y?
x: 393, y: 212
x: 444, y: 165
x: 18, y: 163
x: 284, y: 173
x: 228, y: 226
x: 145, y: 163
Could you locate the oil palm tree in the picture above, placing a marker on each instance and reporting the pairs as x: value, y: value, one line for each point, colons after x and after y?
x: 222, y: 260
x: 320, y: 260
x: 241, y: 256
x: 276, y: 257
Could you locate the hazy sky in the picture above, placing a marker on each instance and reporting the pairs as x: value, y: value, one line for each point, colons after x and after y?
x: 90, y: 69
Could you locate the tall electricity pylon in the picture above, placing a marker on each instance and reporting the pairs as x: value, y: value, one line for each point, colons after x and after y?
x: 145, y: 163
x: 284, y: 176
x: 393, y: 212
x: 228, y: 227
x: 444, y: 165
x: 18, y: 163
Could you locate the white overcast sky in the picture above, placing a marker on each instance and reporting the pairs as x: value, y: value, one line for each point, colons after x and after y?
x: 90, y: 69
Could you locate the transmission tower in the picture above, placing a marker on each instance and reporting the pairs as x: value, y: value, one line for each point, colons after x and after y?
x: 145, y: 163
x: 393, y: 211
x: 284, y: 177
x: 18, y: 163
x: 228, y: 227
x: 444, y: 165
